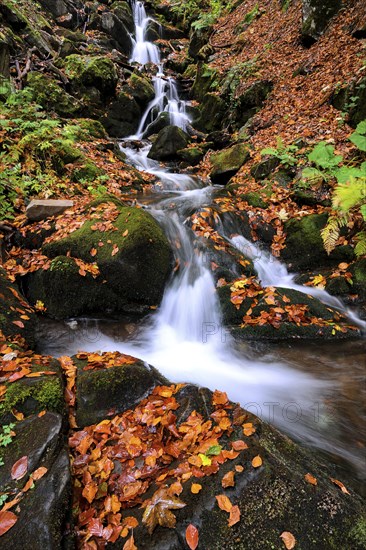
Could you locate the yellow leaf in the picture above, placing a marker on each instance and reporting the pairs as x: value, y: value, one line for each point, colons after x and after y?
x: 196, y: 488
x: 224, y: 503
x: 342, y: 487
x: 257, y: 461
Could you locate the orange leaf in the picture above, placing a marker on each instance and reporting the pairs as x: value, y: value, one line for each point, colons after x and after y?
x: 228, y: 480
x: 257, y: 461
x: 18, y: 415
x: 115, y: 250
x: 20, y: 468
x: 40, y: 472
x: 311, y: 479
x: 7, y: 520
x: 18, y: 324
x: 224, y: 503
x: 234, y: 516
x: 342, y: 487
x: 239, y: 468
x: 288, y: 540
x: 130, y: 544
x: 192, y: 536
x: 125, y: 233
x: 248, y: 429
x: 93, y: 252
x: 89, y: 491
x: 239, y: 445
x: 196, y: 488
x: 219, y: 398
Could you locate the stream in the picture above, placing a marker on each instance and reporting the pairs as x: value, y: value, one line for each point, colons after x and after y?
x: 314, y: 392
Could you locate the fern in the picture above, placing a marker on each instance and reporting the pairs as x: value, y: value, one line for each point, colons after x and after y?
x: 360, y: 248
x: 331, y: 231
x: 350, y: 194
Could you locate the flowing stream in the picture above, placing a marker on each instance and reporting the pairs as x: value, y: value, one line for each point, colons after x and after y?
x: 297, y: 388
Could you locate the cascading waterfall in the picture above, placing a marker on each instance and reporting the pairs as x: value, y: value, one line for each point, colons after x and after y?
x: 185, y: 338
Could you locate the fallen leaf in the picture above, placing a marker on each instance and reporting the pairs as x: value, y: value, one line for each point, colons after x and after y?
x: 248, y: 429
x: 40, y: 472
x: 224, y: 503
x: 192, y: 536
x: 93, y: 252
x: 257, y: 461
x: 20, y: 468
x: 89, y: 491
x: 239, y: 445
x: 228, y: 480
x: 311, y: 479
x: 234, y: 516
x: 219, y: 398
x: 288, y: 540
x: 342, y: 487
x: 157, y: 511
x: 196, y: 488
x: 7, y: 520
x: 130, y: 544
x: 125, y: 233
x: 18, y: 324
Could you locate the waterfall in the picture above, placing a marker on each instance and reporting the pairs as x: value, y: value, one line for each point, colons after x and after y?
x: 185, y: 339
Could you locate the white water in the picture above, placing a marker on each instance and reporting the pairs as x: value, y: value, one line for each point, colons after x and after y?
x: 185, y: 338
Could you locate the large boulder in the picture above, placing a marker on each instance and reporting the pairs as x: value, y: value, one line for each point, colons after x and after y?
x: 207, y: 462
x: 169, y: 140
x: 122, y: 116
x: 278, y: 313
x: 304, y: 245
x: 226, y: 163
x: 109, y: 23
x: 91, y: 72
x: 251, y: 100
x: 352, y: 100
x: 44, y: 510
x: 141, y: 89
x: 48, y: 93
x: 127, y: 262
x: 16, y: 315
x: 316, y: 17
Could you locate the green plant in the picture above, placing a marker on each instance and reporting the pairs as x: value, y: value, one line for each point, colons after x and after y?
x: 6, y: 437
x: 251, y: 15
x: 359, y: 136
x: 284, y: 153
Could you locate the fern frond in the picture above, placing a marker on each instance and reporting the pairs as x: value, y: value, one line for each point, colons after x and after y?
x: 360, y: 248
x: 347, y: 195
x: 330, y: 233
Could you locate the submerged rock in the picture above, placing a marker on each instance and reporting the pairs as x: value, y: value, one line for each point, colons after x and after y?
x: 226, y: 163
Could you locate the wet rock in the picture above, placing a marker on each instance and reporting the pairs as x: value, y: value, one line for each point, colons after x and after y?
x: 42, y: 209
x: 285, y: 329
x: 212, y: 113
x: 112, y: 26
x: 251, y: 100
x: 304, y: 245
x: 352, y: 100
x: 226, y: 163
x: 193, y: 155
x: 123, y: 11
x: 261, y: 170
x: 134, y: 264
x: 198, y: 39
x: 107, y: 392
x: 169, y: 140
x: 43, y: 511
x: 162, y: 120
x: 141, y: 89
x: 13, y: 306
x: 316, y: 17
x: 122, y: 116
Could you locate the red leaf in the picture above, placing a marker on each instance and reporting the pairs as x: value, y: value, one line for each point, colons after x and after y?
x: 7, y: 520
x: 18, y: 324
x: 20, y: 468
x: 192, y: 536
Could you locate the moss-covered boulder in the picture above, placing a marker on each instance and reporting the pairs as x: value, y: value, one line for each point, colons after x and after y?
x: 169, y: 140
x: 358, y: 271
x: 304, y: 244
x: 192, y: 155
x: 251, y: 100
x: 44, y: 511
x: 127, y: 262
x: 263, y: 169
x: 141, y: 89
x: 280, y: 313
x: 316, y: 17
x: 122, y: 116
x: 226, y: 163
x: 110, y: 385
x: 48, y: 93
x: 124, y: 13
x: 91, y: 71
x: 161, y: 121
x: 206, y: 81
x: 16, y: 315
x: 352, y: 100
x: 212, y: 112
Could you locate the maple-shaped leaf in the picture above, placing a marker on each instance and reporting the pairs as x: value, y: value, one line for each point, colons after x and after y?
x: 158, y: 508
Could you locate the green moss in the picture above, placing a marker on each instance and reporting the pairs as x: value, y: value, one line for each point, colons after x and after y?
x: 140, y: 88
x: 254, y: 199
x: 50, y: 95
x: 227, y: 162
x: 15, y: 395
x: 88, y: 172
x: 49, y: 394
x: 358, y: 532
x: 91, y: 128
x: 97, y: 71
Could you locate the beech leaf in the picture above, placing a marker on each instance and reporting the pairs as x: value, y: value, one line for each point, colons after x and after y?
x: 311, y: 479
x: 257, y: 461
x: 130, y: 544
x: 7, y: 520
x: 234, y: 516
x: 224, y: 503
x: 20, y: 468
x: 288, y: 540
x: 192, y: 536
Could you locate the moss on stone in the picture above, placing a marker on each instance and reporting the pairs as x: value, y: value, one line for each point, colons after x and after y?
x: 50, y: 95
x: 91, y: 129
x: 97, y: 71
x: 88, y: 172
x: 254, y: 199
x: 140, y: 88
x: 227, y: 162
x: 33, y: 396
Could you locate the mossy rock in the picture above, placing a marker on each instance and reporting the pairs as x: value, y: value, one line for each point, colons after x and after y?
x: 251, y: 100
x: 33, y: 395
x: 134, y: 262
x: 48, y: 93
x: 316, y: 17
x: 161, y: 121
x: 358, y: 271
x: 168, y: 142
x: 233, y: 317
x: 16, y: 316
x: 140, y: 88
x: 253, y: 199
x: 44, y: 511
x: 91, y: 129
x: 212, y: 113
x: 87, y: 171
x: 352, y: 100
x: 226, y: 163
x: 109, y: 391
x: 206, y: 81
x: 124, y: 13
x: 97, y: 71
x: 192, y: 155
x: 263, y: 169
x: 304, y: 244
